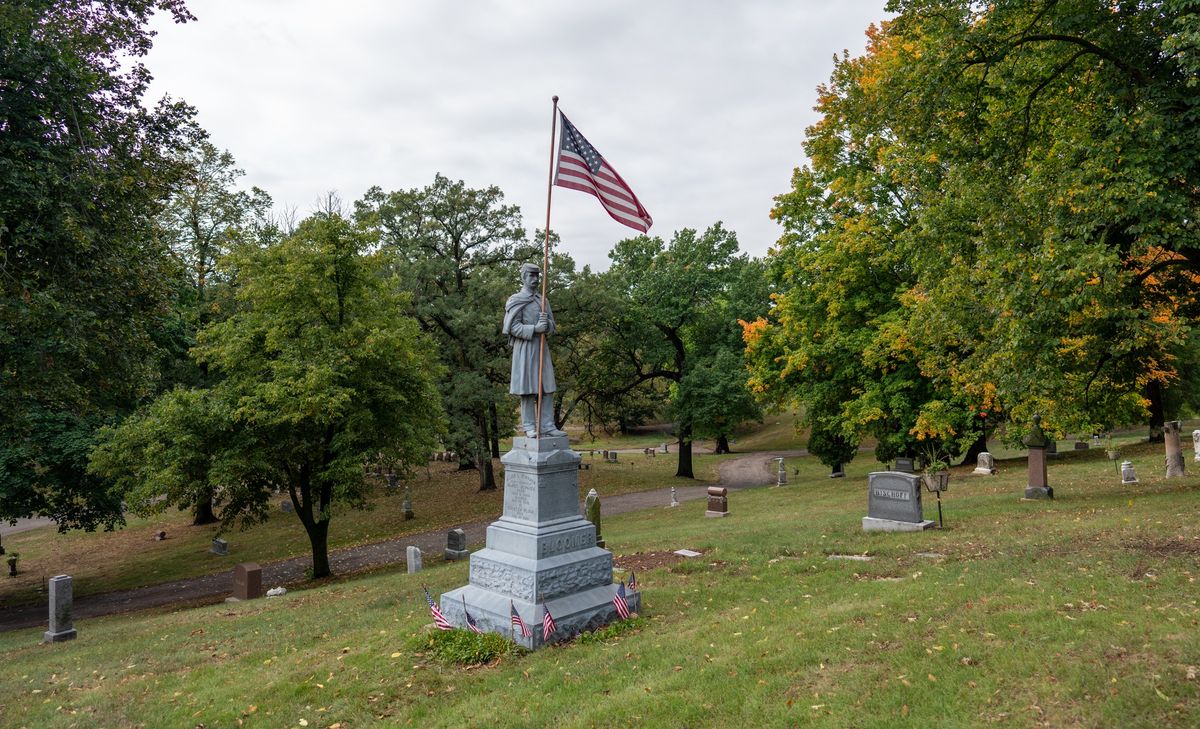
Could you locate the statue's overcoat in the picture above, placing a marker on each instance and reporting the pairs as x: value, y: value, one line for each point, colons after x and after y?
x: 520, y: 316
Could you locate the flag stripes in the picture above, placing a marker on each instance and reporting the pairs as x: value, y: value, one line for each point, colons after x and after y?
x: 438, y: 619
x: 580, y: 167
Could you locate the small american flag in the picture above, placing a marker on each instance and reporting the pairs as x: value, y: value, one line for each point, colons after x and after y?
x: 438, y: 619
x: 548, y: 626
x: 580, y: 167
x: 619, y: 602
x: 517, y: 621
x: 632, y: 581
x: 470, y: 620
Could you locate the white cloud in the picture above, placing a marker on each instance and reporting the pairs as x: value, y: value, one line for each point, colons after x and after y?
x: 700, y: 104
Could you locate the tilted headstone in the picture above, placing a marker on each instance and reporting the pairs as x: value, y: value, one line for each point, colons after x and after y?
x: 718, y: 501
x: 985, y: 464
x: 1175, y: 467
x: 1196, y: 445
x: 414, y: 559
x: 1127, y: 473
x: 894, y: 503
x: 62, y: 605
x: 591, y: 511
x: 1037, y: 442
x: 247, y: 581
x: 220, y: 547
x: 456, y: 545
x: 904, y: 464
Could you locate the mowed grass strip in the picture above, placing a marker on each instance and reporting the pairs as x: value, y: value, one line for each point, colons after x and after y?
x: 1077, y: 612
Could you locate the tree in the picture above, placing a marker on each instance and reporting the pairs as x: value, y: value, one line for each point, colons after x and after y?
x: 85, y: 283
x: 675, y: 307
x: 317, y: 375
x: 458, y: 250
x: 206, y: 216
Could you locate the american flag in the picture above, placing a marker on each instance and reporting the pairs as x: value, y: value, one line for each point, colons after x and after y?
x: 580, y: 167
x: 517, y: 621
x: 619, y: 602
x: 548, y: 626
x: 438, y: 619
x: 470, y: 620
x: 632, y: 581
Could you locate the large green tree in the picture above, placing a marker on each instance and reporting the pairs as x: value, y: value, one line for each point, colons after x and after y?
x: 85, y: 282
x: 676, y: 311
x: 317, y: 373
x: 458, y: 249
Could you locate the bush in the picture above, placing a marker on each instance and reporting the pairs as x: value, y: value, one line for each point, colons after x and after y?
x: 464, y: 648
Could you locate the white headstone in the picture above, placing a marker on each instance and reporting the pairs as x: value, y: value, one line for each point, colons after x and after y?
x: 414, y: 559
x: 1196, y: 444
x: 985, y: 464
x: 1127, y: 474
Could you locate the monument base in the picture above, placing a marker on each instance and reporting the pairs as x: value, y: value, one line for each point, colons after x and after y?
x: 1036, y: 493
x: 715, y: 514
x: 573, y: 614
x: 453, y: 555
x: 985, y: 471
x: 872, y: 524
x: 50, y: 637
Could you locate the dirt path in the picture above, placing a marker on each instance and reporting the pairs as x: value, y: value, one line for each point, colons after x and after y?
x: 755, y: 469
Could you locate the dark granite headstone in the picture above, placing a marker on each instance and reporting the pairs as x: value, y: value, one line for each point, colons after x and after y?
x: 219, y: 547
x: 247, y: 581
x: 718, y: 501
x: 456, y: 545
x: 905, y: 465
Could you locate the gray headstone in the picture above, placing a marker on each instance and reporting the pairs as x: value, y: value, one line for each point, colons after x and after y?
x: 781, y: 473
x: 286, y: 506
x: 674, y: 501
x: 894, y: 502
x: 904, y: 464
x: 247, y: 581
x: 220, y: 547
x: 414, y: 559
x: 1127, y: 473
x: 612, y: 456
x: 591, y: 510
x: 62, y: 602
x: 1196, y: 445
x: 1175, y: 468
x: 985, y: 465
x: 456, y: 545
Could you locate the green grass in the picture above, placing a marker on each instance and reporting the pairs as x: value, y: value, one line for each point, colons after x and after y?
x: 1077, y: 612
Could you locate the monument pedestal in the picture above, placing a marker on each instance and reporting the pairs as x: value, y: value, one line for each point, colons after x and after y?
x: 540, y: 551
x: 1038, y: 487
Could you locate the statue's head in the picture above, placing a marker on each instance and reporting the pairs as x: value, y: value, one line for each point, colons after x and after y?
x: 530, y: 271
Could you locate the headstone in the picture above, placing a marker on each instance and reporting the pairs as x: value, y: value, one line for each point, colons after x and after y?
x: 62, y: 625
x: 591, y: 510
x: 1127, y: 473
x: 540, y: 552
x: 393, y: 481
x: 1174, y: 452
x: 286, y: 506
x: 1036, y: 441
x: 718, y: 501
x: 1051, y: 448
x: 904, y: 464
x: 1080, y: 445
x: 456, y: 545
x: 651, y: 452
x: 414, y: 559
x: 1096, y: 440
x: 604, y: 454
x: 674, y: 501
x: 781, y: 473
x: 277, y: 592
x: 406, y: 507
x: 666, y: 447
x: 220, y: 547
x: 1196, y: 445
x: 247, y: 581
x: 612, y: 456
x: 687, y: 553
x: 836, y: 472
x: 985, y: 464
x: 894, y: 503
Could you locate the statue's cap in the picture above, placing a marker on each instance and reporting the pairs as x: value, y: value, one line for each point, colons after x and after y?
x: 530, y: 267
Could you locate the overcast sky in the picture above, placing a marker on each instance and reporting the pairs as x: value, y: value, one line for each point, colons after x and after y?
x: 701, y: 105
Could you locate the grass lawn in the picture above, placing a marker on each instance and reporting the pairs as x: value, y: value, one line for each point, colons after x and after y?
x: 442, y: 497
x: 1077, y: 612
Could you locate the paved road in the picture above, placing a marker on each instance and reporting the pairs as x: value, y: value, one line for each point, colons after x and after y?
x: 23, y: 525
x: 756, y: 469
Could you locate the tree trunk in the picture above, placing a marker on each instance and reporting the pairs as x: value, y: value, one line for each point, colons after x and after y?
x: 1154, y: 393
x: 483, y: 456
x: 318, y: 536
x: 685, y: 453
x: 979, y: 446
x: 722, y: 445
x: 494, y: 439
x: 202, y: 512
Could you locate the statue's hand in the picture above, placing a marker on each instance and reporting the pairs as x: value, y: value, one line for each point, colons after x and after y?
x: 543, y: 323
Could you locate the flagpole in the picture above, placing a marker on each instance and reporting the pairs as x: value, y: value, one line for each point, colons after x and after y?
x: 546, y: 266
